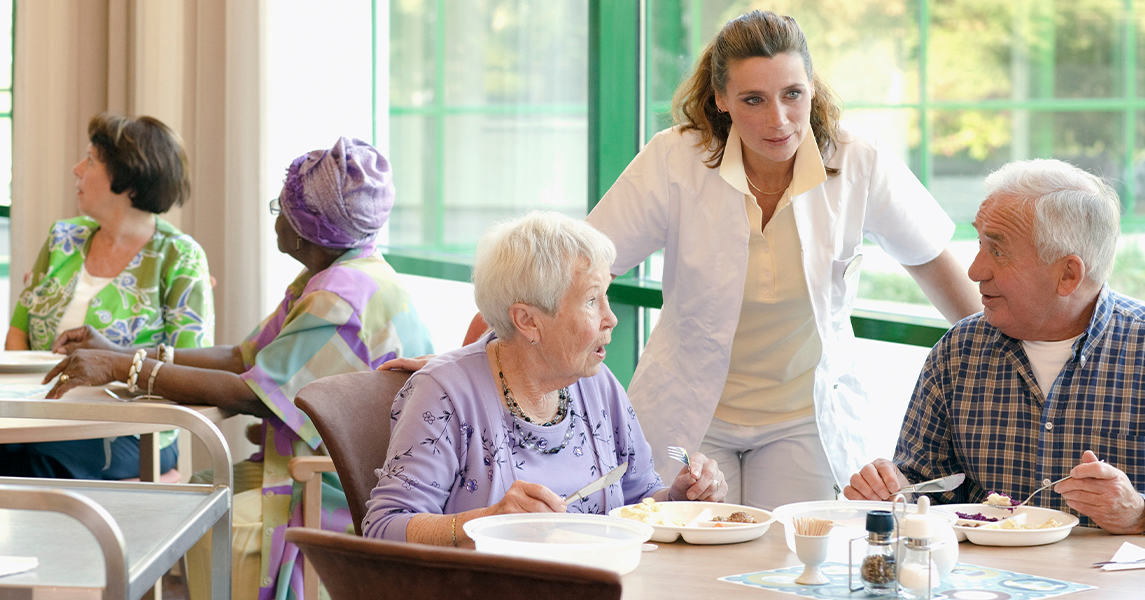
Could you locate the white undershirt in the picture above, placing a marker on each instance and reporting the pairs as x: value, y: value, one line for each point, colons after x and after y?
x: 87, y: 286
x: 1047, y: 360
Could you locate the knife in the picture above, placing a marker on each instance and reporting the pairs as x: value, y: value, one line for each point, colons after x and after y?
x: 942, y: 484
x: 609, y: 478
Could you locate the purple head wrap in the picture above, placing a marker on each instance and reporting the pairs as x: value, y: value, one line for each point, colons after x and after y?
x: 341, y: 197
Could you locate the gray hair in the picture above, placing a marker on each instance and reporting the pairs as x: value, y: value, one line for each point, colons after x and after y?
x: 1075, y: 212
x: 531, y: 260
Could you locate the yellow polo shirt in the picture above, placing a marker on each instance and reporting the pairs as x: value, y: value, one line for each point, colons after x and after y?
x: 776, y: 346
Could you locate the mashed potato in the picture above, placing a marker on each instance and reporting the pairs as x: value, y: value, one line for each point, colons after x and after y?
x: 1049, y: 524
x: 650, y: 512
x: 996, y: 499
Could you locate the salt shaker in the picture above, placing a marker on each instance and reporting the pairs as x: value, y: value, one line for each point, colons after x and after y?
x: 878, y: 568
x: 918, y: 574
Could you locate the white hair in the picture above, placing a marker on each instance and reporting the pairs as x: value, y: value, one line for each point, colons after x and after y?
x: 531, y: 260
x: 1075, y: 212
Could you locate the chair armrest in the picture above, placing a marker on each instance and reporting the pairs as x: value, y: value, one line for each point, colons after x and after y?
x: 303, y: 468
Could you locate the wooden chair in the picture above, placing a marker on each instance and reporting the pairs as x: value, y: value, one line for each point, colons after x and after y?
x: 356, y: 568
x: 351, y: 412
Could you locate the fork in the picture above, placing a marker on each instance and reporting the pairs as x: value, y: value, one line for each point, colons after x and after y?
x: 680, y: 454
x: 1048, y: 485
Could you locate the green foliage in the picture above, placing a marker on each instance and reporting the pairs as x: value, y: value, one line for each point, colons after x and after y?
x: 1129, y: 271
x: 890, y: 287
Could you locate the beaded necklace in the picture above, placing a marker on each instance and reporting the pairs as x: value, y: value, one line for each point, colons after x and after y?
x: 528, y: 440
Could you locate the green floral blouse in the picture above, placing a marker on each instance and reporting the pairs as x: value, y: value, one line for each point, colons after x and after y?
x: 163, y: 296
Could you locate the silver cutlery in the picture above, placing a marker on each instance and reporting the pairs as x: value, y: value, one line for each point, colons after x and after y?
x: 680, y: 454
x: 608, y: 479
x: 1048, y: 485
x: 942, y: 484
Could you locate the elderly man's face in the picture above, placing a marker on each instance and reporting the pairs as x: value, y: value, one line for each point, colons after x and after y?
x: 1019, y: 293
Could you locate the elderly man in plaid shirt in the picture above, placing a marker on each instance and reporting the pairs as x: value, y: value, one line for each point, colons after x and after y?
x: 1047, y: 381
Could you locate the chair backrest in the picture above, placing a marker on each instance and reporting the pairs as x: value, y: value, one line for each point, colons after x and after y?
x: 351, y: 412
x: 355, y: 568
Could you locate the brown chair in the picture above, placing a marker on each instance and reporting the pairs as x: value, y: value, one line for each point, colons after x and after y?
x: 351, y: 412
x: 356, y: 568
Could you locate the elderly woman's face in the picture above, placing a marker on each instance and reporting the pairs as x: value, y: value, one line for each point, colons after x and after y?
x: 93, y: 185
x: 573, y: 341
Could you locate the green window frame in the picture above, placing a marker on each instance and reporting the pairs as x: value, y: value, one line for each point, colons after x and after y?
x: 616, y: 35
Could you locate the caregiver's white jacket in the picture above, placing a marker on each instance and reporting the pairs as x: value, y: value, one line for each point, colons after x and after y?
x: 668, y: 198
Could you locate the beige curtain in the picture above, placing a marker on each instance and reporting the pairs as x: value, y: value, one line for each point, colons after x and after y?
x: 195, y: 64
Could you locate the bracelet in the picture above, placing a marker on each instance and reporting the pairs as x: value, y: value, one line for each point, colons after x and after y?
x: 151, y: 378
x: 165, y: 353
x: 133, y: 372
x: 453, y: 531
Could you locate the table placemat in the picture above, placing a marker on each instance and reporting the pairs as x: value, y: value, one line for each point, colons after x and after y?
x: 966, y: 582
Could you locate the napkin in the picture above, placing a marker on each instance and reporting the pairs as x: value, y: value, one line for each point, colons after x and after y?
x: 1127, y: 552
x: 10, y: 565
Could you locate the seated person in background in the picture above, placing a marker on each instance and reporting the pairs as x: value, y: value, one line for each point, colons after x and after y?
x: 1048, y: 378
x: 121, y: 270
x: 345, y: 312
x: 528, y: 414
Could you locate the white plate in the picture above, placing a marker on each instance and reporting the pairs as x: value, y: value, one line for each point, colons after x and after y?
x: 850, y: 517
x: 28, y: 361
x: 590, y: 540
x: 707, y: 533
x: 1014, y: 537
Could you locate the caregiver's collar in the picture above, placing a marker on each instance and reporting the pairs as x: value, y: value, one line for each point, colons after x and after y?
x: 808, y: 173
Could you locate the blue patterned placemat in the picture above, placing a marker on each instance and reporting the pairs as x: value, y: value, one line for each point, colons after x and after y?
x: 965, y: 582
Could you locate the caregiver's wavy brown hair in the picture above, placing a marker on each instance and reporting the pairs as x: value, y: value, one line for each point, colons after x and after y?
x: 757, y: 33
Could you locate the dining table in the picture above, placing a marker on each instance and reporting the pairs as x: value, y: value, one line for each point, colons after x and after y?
x: 680, y: 570
x: 16, y: 387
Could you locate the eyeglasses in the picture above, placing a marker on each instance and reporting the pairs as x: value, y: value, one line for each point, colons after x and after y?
x: 275, y: 207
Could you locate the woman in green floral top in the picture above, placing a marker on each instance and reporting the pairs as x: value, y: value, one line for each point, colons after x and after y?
x: 121, y: 270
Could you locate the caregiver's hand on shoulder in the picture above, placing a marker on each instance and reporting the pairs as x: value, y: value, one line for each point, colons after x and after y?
x: 405, y: 363
x: 877, y: 481
x: 700, y: 480
x: 525, y: 497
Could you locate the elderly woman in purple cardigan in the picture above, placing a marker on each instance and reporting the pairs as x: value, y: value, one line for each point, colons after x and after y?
x: 528, y: 414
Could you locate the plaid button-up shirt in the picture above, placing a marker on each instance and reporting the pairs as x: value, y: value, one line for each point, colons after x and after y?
x: 978, y: 410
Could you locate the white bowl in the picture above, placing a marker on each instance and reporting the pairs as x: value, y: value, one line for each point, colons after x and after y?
x: 707, y: 532
x: 850, y: 517
x: 1014, y: 537
x: 591, y: 540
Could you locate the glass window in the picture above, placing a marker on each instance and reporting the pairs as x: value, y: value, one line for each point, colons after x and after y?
x: 958, y: 87
x: 488, y: 115
x: 6, y: 41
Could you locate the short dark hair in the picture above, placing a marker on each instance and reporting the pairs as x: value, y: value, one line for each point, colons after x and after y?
x: 143, y: 157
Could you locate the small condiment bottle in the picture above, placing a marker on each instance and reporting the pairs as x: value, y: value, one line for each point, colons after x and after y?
x: 918, y: 575
x: 878, y: 567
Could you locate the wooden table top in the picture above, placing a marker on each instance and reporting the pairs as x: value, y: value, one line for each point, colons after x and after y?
x: 681, y: 570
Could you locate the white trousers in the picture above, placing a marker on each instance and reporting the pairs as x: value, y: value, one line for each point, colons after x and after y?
x: 771, y: 465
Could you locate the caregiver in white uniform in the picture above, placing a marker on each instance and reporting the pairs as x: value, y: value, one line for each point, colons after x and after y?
x: 761, y: 204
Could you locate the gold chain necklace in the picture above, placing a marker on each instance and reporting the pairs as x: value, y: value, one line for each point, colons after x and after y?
x: 762, y: 191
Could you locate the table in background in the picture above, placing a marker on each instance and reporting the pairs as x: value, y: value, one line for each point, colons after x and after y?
x: 137, y: 530
x: 681, y: 570
x: 27, y: 431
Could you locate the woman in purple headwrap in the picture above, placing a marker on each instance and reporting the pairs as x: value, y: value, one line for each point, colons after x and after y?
x: 345, y: 312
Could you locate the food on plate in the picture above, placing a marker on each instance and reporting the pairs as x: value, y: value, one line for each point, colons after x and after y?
x: 650, y: 512
x: 1011, y: 524
x: 976, y: 519
x: 737, y: 517
x: 996, y: 499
